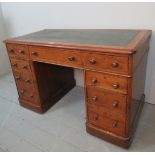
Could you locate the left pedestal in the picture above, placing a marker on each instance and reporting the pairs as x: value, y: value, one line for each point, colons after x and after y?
x: 39, y: 85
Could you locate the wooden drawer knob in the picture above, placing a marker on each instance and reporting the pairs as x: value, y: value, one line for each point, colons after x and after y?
x: 71, y: 58
x: 21, y: 52
x: 27, y: 81
x: 92, y: 61
x: 95, y: 117
x: 25, y: 67
x: 114, y: 124
x: 17, y: 77
x: 115, y: 104
x: 12, y: 51
x: 14, y: 65
x: 94, y: 81
x: 115, y: 64
x: 22, y: 92
x: 32, y: 96
x: 115, y: 85
x: 94, y: 98
x: 34, y: 53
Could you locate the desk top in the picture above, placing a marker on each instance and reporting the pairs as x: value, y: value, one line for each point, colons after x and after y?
x: 99, y: 38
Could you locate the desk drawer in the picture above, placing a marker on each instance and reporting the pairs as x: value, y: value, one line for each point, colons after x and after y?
x: 18, y: 51
x: 109, y: 63
x: 29, y: 95
x: 21, y: 66
x: 43, y: 54
x: 98, y: 118
x: 57, y: 56
x: 112, y: 101
x: 107, y: 81
x: 25, y: 86
x: 23, y: 81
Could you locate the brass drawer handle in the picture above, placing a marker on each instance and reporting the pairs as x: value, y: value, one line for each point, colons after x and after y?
x: 95, y: 117
x: 71, y: 58
x: 115, y: 64
x: 94, y: 98
x: 17, y: 77
x: 94, y: 81
x: 92, y: 61
x: 115, y: 85
x: 114, y: 124
x: 21, y: 52
x: 34, y: 53
x: 115, y: 104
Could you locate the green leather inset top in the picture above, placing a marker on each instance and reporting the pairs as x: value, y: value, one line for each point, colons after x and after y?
x: 100, y: 37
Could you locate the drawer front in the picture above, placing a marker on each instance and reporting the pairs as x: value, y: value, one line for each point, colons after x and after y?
x: 98, y: 119
x: 21, y: 66
x: 57, y: 56
x: 43, y: 54
x: 18, y: 51
x: 104, y: 112
x: 107, y: 81
x: 111, y: 101
x: 118, y: 64
x: 23, y: 81
x: 29, y: 95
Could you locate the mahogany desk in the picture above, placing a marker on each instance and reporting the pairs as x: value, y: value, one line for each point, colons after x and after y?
x: 114, y: 65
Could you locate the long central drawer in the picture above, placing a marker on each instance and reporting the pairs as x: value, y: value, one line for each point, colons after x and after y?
x: 57, y: 56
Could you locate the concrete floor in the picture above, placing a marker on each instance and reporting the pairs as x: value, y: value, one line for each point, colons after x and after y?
x: 62, y: 128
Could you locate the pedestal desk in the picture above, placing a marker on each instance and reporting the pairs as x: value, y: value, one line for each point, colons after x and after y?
x: 114, y: 67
